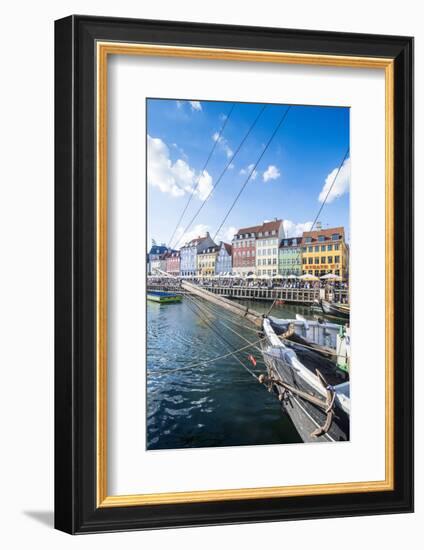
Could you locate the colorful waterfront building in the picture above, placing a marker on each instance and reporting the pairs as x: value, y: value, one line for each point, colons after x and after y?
x: 325, y: 251
x: 155, y: 256
x: 173, y: 262
x: 158, y: 264
x: 268, y: 239
x: 290, y: 257
x: 206, y: 261
x: 188, y: 254
x: 244, y: 251
x: 224, y: 262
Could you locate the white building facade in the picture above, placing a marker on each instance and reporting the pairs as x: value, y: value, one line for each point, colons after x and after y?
x: 268, y: 239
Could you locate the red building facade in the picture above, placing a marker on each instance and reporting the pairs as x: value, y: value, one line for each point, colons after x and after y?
x: 173, y: 263
x: 244, y: 250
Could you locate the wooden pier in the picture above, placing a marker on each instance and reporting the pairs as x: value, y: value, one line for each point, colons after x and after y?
x: 305, y: 296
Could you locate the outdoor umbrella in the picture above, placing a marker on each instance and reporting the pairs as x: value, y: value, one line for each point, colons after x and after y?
x: 331, y: 277
x: 308, y: 277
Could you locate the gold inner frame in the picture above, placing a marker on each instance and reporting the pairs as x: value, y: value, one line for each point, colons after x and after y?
x: 104, y: 49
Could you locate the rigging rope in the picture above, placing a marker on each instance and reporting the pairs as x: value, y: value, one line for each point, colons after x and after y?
x: 221, y: 175
x: 331, y: 187
x: 216, y: 141
x: 207, y: 361
x: 253, y: 169
x: 229, y: 345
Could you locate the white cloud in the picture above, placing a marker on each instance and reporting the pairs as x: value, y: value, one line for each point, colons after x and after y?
x: 180, y: 150
x: 254, y: 172
x: 226, y: 234
x: 248, y: 170
x: 176, y: 178
x: 204, y: 187
x: 271, y: 173
x: 340, y: 186
x: 292, y: 229
x: 195, y: 105
x: 182, y: 238
x: 231, y: 166
x: 223, y: 144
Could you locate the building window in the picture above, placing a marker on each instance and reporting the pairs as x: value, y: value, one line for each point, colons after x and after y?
x: 336, y: 247
x: 321, y: 238
x: 310, y: 248
x: 323, y: 259
x: 335, y: 237
x: 308, y: 240
x: 330, y: 247
x: 323, y: 248
x: 330, y: 259
x: 286, y: 242
x: 317, y: 249
x: 336, y: 259
x: 316, y: 260
x: 310, y: 261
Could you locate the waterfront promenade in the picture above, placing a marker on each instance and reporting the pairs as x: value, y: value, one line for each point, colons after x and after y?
x: 288, y: 292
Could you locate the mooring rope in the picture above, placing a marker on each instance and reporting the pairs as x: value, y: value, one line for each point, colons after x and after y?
x: 207, y: 361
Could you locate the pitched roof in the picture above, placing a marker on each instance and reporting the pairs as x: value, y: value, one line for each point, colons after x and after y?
x: 273, y: 225
x: 209, y: 250
x: 158, y: 249
x: 326, y: 232
x: 290, y: 242
x: 172, y: 254
x: 228, y: 248
x: 196, y: 241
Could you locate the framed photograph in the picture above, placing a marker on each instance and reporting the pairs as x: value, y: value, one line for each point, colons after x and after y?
x: 234, y: 274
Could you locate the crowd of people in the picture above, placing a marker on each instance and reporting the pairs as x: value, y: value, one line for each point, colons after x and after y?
x: 245, y: 282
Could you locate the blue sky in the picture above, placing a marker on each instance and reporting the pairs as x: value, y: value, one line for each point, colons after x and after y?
x: 290, y: 181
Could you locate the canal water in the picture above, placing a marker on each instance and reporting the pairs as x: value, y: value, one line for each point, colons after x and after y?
x: 214, y: 404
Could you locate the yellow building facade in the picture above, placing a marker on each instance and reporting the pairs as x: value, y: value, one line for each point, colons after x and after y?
x: 206, y: 262
x: 325, y: 251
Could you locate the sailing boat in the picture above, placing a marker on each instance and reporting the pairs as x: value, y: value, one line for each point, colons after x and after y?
x: 337, y: 310
x: 312, y: 388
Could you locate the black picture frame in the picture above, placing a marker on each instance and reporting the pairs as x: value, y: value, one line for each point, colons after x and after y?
x: 76, y: 510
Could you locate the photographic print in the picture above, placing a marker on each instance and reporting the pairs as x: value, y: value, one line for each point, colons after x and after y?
x: 247, y: 292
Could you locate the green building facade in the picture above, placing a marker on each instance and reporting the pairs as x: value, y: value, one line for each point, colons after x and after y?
x: 290, y: 257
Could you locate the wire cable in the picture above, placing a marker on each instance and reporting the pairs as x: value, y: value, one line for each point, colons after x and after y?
x: 329, y: 191
x: 221, y: 174
x: 215, y: 143
x: 253, y: 169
